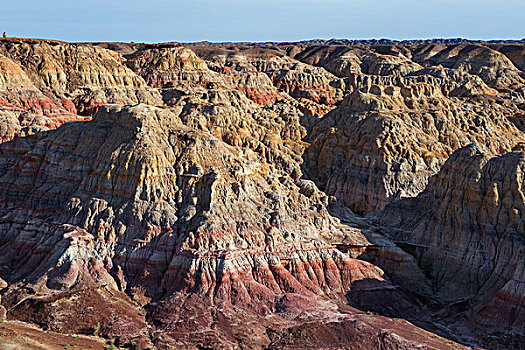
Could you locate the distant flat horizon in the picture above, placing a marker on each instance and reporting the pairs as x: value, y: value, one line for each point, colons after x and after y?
x: 319, y: 41
x: 157, y: 21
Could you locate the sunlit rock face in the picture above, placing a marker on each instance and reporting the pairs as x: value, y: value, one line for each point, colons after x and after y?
x: 164, y: 216
x: 44, y: 84
x: 384, y: 143
x: 283, y: 197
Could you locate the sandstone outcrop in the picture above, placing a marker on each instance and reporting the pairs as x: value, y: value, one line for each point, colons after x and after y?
x: 274, y: 132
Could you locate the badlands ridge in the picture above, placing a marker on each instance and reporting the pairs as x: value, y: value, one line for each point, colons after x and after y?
x: 266, y: 197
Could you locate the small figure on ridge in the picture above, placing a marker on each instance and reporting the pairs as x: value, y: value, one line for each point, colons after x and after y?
x: 4, y: 35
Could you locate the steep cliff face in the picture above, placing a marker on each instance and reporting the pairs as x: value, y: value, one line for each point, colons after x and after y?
x: 180, y: 222
x: 466, y: 230
x: 455, y: 98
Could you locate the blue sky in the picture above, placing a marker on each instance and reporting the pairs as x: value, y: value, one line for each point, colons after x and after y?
x: 252, y: 20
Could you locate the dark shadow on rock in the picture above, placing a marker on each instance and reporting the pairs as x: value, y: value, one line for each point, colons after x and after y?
x: 382, y: 298
x: 385, y: 299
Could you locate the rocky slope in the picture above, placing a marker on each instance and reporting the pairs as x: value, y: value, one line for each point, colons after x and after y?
x: 85, y: 75
x: 201, y: 234
x: 440, y: 104
x: 44, y: 84
x: 384, y: 143
x: 179, y: 66
x: 230, y: 215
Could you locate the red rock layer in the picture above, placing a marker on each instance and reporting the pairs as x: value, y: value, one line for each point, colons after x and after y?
x: 222, y: 248
x: 45, y: 84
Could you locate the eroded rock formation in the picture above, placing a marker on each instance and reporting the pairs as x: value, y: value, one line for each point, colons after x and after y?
x: 226, y: 218
x: 467, y: 231
x: 44, y: 84
x: 184, y: 224
x: 384, y: 143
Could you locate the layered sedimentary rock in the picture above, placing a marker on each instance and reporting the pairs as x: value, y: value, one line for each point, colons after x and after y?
x: 205, y: 235
x: 274, y: 132
x: 245, y: 77
x: 44, y: 84
x: 176, y: 66
x: 384, y: 71
x: 179, y: 66
x: 24, y: 109
x: 496, y: 69
x: 350, y: 61
x: 300, y: 80
x: 289, y: 76
x: 82, y: 76
x: 384, y: 143
x: 466, y: 230
x: 222, y: 219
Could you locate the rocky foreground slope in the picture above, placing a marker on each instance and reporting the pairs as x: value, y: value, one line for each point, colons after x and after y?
x: 213, y: 197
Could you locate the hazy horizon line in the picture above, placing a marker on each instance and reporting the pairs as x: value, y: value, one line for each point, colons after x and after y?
x: 277, y: 41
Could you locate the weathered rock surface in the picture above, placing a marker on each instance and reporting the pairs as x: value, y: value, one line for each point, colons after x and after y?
x: 181, y: 67
x: 44, y: 84
x: 204, y: 235
x: 222, y: 220
x: 300, y: 80
x: 289, y: 76
x: 496, y: 69
x: 23, y: 107
x: 466, y: 230
x: 176, y: 66
x: 385, y: 143
x: 85, y: 75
